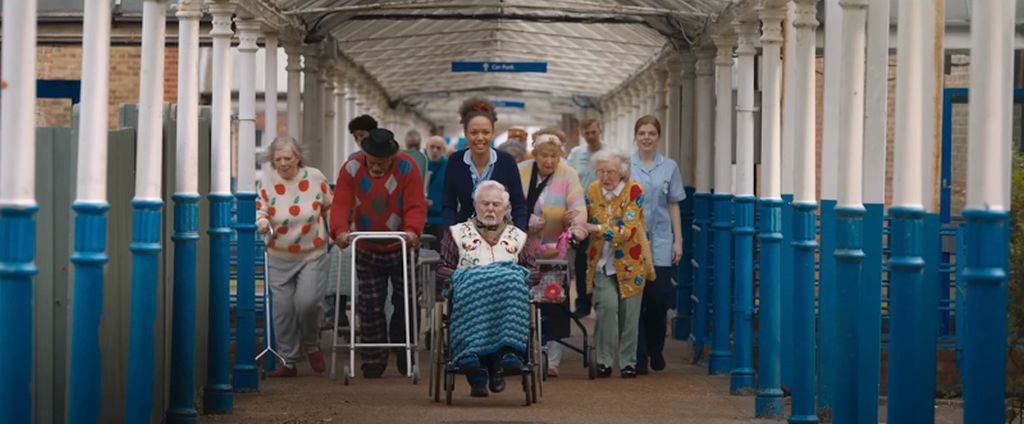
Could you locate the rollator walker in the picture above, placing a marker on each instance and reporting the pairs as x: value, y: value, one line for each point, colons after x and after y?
x: 408, y: 288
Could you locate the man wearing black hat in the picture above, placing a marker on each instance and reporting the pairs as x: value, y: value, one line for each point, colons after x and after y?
x: 379, y: 189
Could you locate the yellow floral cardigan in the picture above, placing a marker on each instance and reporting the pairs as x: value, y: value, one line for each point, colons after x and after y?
x: 622, y: 224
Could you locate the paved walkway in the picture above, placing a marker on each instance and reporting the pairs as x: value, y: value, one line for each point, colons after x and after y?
x: 682, y: 393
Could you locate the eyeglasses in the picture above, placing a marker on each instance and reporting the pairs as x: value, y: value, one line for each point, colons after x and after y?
x: 603, y: 172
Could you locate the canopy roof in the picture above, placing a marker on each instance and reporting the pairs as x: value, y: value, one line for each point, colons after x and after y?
x: 589, y: 46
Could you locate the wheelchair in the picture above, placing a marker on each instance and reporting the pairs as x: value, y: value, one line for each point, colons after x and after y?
x: 443, y: 372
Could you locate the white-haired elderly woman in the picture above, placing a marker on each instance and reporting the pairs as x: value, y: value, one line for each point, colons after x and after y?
x: 555, y: 200
x: 294, y: 201
x: 619, y: 260
x: 487, y: 254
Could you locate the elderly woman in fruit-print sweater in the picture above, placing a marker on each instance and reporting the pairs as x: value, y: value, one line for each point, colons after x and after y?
x: 293, y: 201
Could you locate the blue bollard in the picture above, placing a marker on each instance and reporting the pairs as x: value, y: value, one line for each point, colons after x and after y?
x: 986, y: 272
x: 721, y: 356
x: 869, y: 313
x: 17, y: 268
x: 805, y: 246
x: 911, y: 399
x: 769, y: 402
x: 702, y: 269
x: 146, y: 248
x: 849, y: 267
x: 85, y: 386
x: 684, y: 272
x: 217, y: 395
x: 828, y: 307
x: 786, y: 290
x: 246, y: 372
x: 741, y: 380
x: 183, y: 332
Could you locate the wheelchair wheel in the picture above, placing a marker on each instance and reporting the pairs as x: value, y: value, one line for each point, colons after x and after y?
x: 527, y: 389
x: 346, y: 377
x: 592, y: 363
x: 449, y: 386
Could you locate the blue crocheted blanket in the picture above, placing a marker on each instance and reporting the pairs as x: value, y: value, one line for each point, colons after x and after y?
x: 490, y: 310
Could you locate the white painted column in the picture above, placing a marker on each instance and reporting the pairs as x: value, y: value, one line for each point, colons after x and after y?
x: 187, y: 148
x: 351, y: 111
x: 341, y: 148
x: 704, y: 118
x: 248, y: 31
x: 687, y: 118
x: 673, y: 115
x: 804, y: 159
x: 332, y: 149
x: 625, y: 108
x: 19, y: 53
x: 788, y: 114
x: 912, y: 104
x: 771, y: 98
x: 990, y: 107
x: 293, y: 49
x: 876, y: 101
x: 660, y: 94
x: 220, y: 125
x: 851, y: 103
x: 834, y: 61
x: 149, y: 153
x: 724, y: 42
x: 747, y: 48
x: 269, y: 87
x: 312, y: 101
x: 638, y: 99
x: 92, y: 132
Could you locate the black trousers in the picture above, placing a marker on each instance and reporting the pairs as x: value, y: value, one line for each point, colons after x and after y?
x: 582, y: 298
x: 659, y: 296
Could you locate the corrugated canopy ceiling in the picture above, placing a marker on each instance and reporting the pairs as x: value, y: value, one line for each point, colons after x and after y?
x: 590, y: 47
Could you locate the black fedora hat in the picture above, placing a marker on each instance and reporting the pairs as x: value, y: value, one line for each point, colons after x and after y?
x: 380, y: 143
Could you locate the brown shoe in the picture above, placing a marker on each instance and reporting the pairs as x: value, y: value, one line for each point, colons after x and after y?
x: 316, y: 361
x: 283, y: 371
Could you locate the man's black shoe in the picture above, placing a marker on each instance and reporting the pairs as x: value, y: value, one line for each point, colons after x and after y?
x: 496, y: 383
x: 657, y: 361
x: 641, y: 367
x: 478, y: 389
x: 603, y: 371
x: 373, y: 370
x: 628, y: 372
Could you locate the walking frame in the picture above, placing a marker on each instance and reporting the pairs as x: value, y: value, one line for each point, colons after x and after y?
x: 267, y: 314
x: 408, y: 288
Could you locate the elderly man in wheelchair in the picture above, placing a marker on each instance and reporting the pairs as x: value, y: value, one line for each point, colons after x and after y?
x: 489, y: 270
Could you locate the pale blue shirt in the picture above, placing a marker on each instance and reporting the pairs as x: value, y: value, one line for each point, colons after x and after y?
x: 488, y: 170
x: 662, y: 184
x: 579, y: 159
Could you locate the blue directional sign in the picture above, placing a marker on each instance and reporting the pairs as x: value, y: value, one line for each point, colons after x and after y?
x: 539, y: 67
x: 511, y: 104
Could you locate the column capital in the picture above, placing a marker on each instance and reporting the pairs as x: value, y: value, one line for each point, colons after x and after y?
x: 248, y: 33
x: 747, y: 37
x: 189, y: 10
x: 806, y: 14
x: 724, y: 43
x: 771, y: 13
x: 853, y: 4
x: 311, y: 58
x: 659, y: 75
x: 705, y: 61
x: 221, y: 11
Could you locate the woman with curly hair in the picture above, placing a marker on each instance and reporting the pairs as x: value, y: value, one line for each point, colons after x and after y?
x: 477, y: 163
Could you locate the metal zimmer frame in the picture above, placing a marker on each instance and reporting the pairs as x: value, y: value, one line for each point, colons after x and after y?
x: 408, y: 288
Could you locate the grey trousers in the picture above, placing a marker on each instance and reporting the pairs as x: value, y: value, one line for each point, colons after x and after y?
x: 617, y: 323
x: 297, y: 289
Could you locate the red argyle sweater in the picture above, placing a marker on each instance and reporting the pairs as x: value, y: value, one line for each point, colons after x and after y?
x: 393, y: 202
